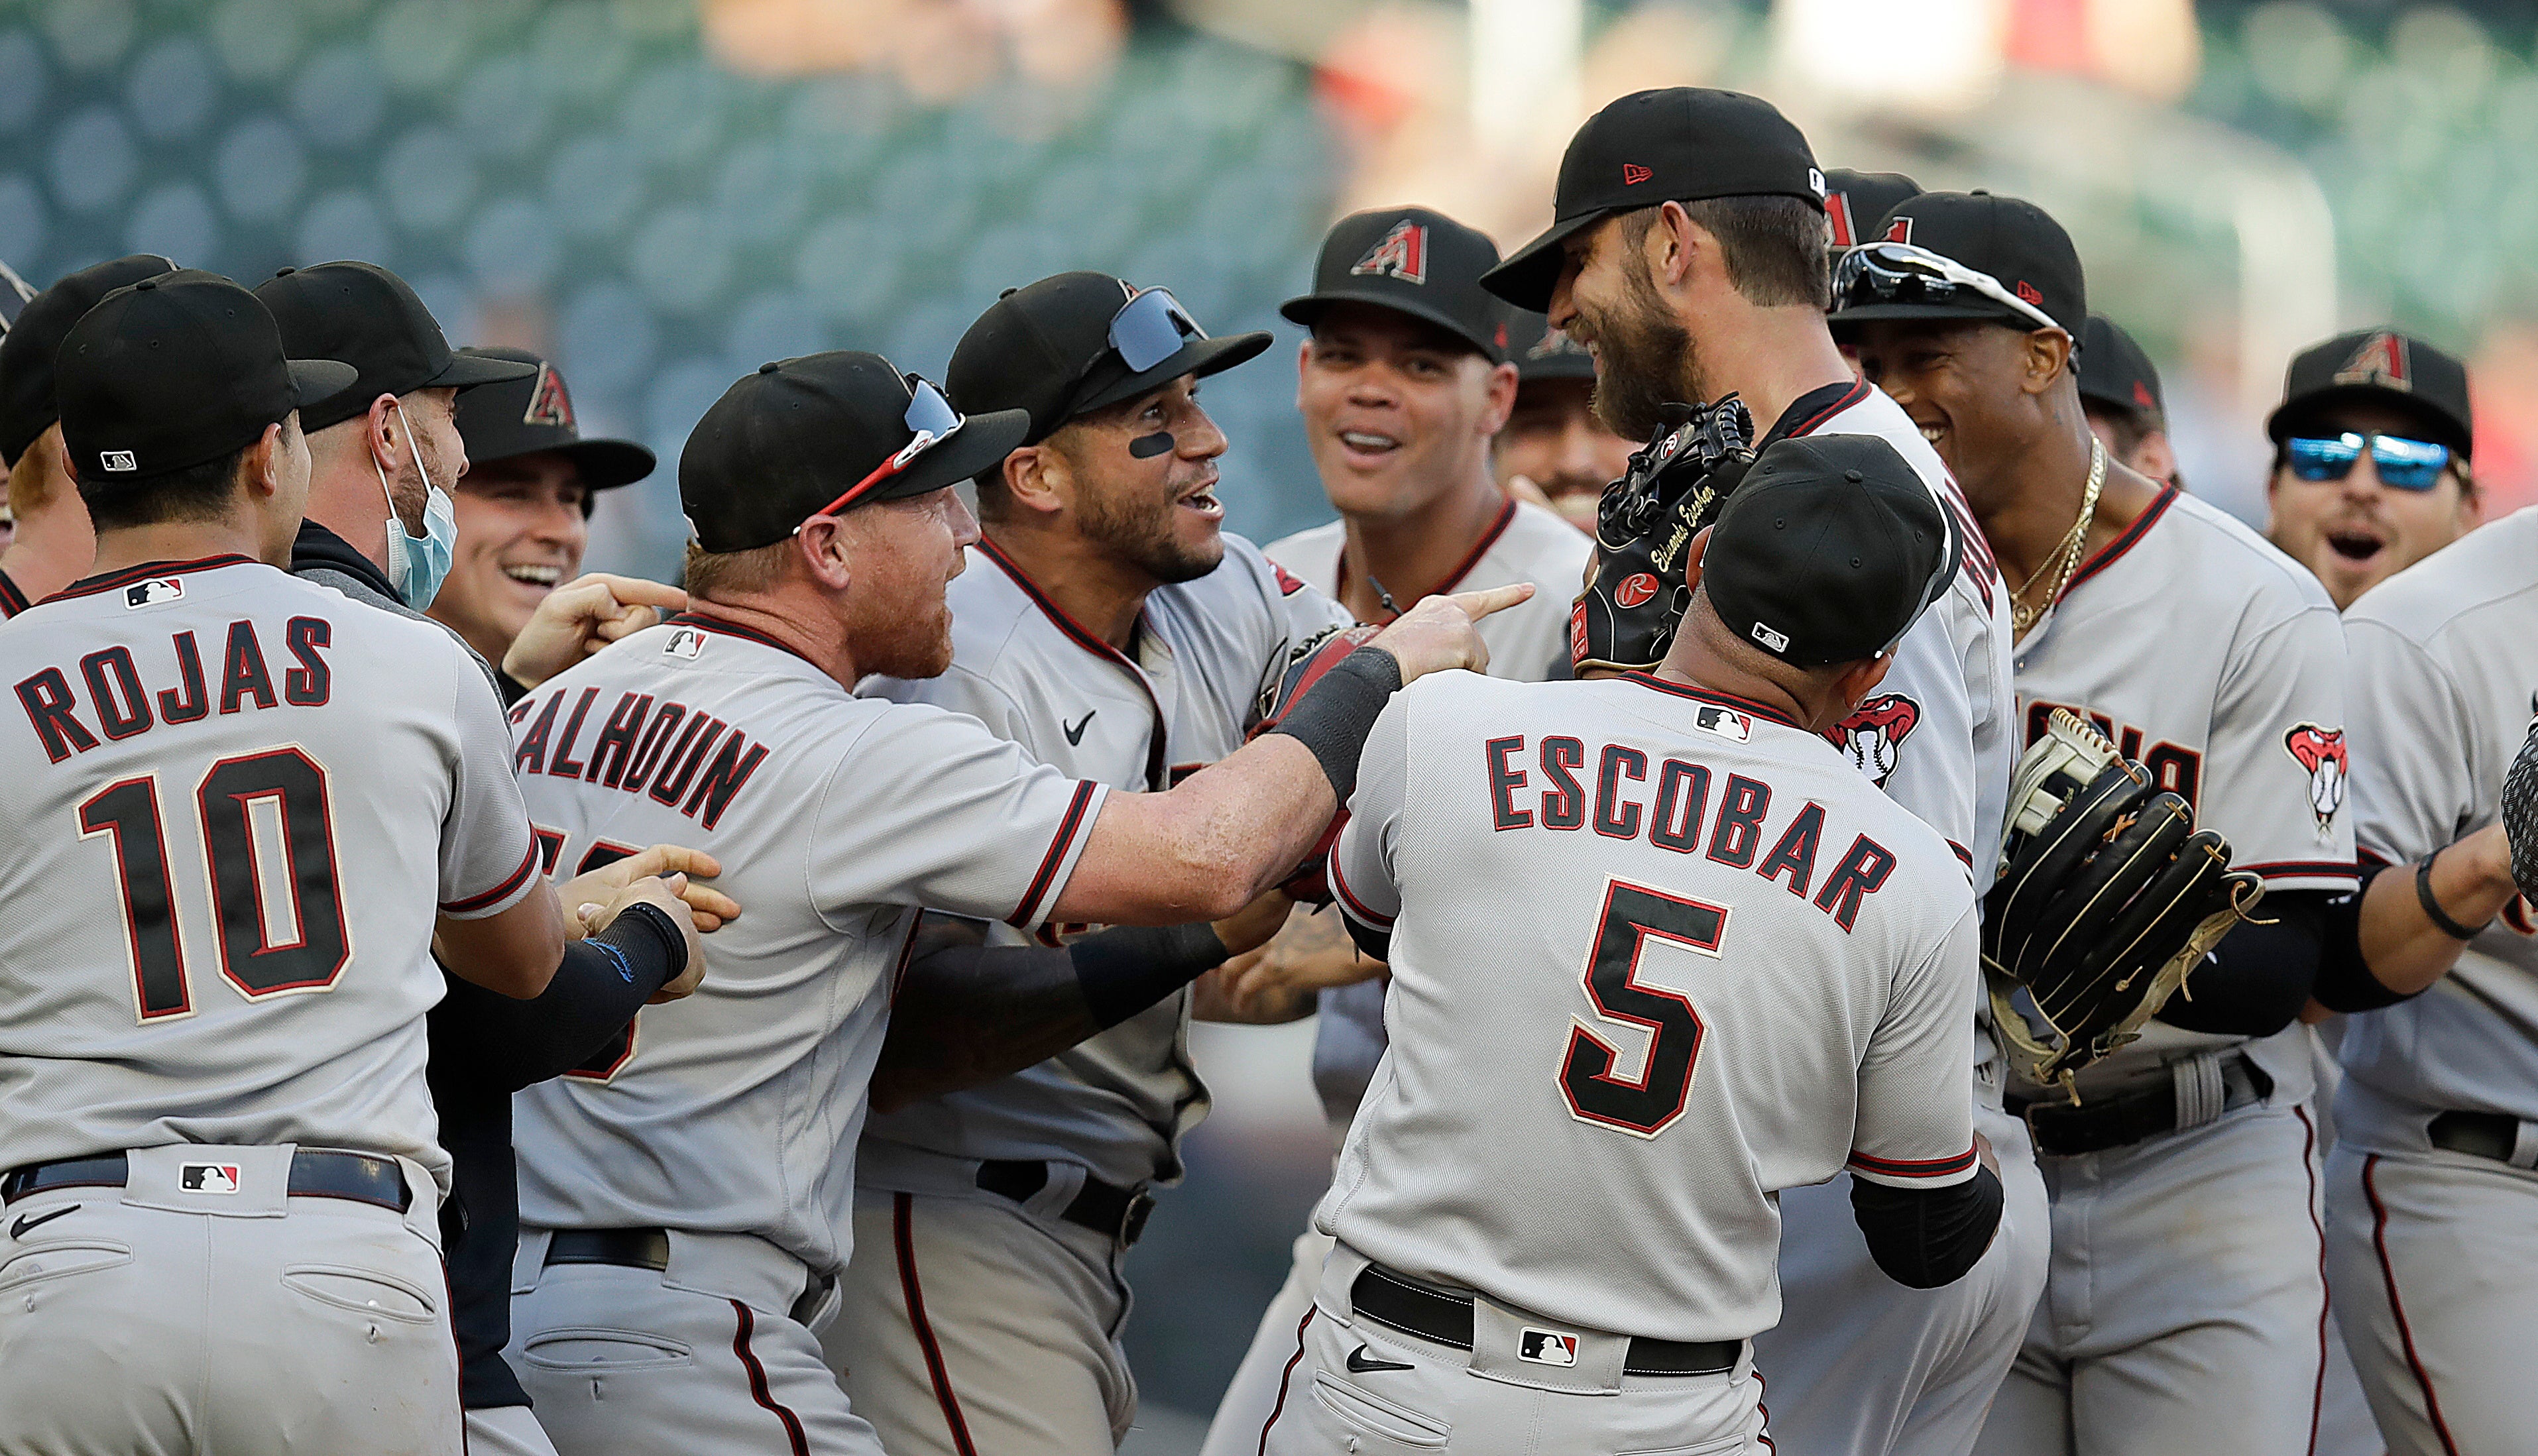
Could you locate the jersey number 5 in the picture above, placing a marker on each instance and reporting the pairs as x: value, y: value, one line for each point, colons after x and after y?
x: 279, y: 933
x: 1645, y: 1106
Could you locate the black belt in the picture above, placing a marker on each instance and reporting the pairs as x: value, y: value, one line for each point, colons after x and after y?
x: 1413, y: 1309
x: 633, y: 1249
x: 315, y: 1173
x: 1120, y: 1213
x: 2480, y: 1134
x: 2121, y: 1119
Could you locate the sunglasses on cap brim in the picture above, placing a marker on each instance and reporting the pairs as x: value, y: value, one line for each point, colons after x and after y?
x: 2400, y: 462
x: 15, y: 294
x: 1899, y: 272
x: 1151, y: 328
x: 930, y: 419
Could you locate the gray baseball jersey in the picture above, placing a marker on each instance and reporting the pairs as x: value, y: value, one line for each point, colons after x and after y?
x: 1180, y: 699
x: 2218, y: 663
x: 1614, y: 1048
x: 2448, y: 653
x: 238, y: 802
x: 835, y: 818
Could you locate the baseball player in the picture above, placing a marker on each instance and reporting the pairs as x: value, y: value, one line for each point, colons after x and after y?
x: 2184, y: 1309
x: 1555, y: 1211
x: 2371, y: 459
x: 1553, y: 451
x: 1107, y: 625
x: 2127, y: 411
x: 2430, y: 1194
x: 51, y: 543
x: 1689, y: 253
x: 221, y: 1167
x: 686, y: 1199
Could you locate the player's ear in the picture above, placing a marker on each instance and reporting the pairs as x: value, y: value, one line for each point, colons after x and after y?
x: 1860, y: 679
x: 1675, y: 243
x: 1037, y: 478
x: 823, y: 546
x: 2048, y: 357
x: 1502, y: 396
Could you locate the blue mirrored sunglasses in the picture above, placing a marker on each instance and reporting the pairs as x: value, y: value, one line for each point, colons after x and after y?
x: 2403, y: 463
x: 1151, y: 327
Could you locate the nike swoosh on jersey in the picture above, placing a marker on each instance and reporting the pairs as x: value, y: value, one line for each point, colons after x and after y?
x: 29, y: 1222
x: 1075, y: 731
x: 1358, y: 1363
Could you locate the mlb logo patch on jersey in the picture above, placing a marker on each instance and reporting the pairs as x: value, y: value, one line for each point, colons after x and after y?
x: 208, y: 1177
x: 1726, y: 722
x: 687, y: 642
x: 153, y: 591
x: 1546, y: 1346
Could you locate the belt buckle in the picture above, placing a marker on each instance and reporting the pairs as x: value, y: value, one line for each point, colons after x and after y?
x: 1132, y: 1219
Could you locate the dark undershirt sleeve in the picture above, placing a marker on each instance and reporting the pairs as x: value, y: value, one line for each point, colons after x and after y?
x: 506, y: 1044
x: 2344, y: 980
x: 2261, y: 974
x: 1926, y: 1238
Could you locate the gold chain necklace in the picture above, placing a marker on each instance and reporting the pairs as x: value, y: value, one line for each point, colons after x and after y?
x: 2021, y: 616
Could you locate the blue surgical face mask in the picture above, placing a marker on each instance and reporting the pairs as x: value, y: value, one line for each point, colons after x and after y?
x: 418, y: 564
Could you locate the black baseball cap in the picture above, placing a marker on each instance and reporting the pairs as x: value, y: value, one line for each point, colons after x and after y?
x: 2381, y: 367
x: 1855, y: 202
x: 176, y: 371
x: 1076, y: 342
x: 1828, y: 551
x: 15, y: 294
x: 1682, y: 143
x: 1540, y: 352
x: 2113, y: 371
x: 1410, y: 260
x: 26, y: 407
x: 787, y: 441
x: 2015, y: 242
x: 369, y: 318
x: 533, y: 415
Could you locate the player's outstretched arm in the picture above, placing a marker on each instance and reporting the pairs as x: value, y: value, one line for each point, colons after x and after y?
x: 513, y: 952
x: 638, y: 948
x: 2382, y: 945
x: 581, y: 617
x: 1228, y: 832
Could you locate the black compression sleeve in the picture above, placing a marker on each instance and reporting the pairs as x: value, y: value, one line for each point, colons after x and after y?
x: 598, y: 986
x: 1376, y: 944
x: 1336, y: 713
x: 1926, y: 1238
x: 2344, y: 980
x: 1127, y: 968
x: 2260, y: 975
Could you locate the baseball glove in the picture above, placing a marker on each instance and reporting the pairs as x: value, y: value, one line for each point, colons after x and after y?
x: 2108, y: 897
x: 2520, y: 817
x: 1676, y: 485
x: 1306, y: 664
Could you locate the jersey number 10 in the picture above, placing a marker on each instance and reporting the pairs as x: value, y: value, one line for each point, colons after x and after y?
x: 294, y: 786
x: 1645, y: 1105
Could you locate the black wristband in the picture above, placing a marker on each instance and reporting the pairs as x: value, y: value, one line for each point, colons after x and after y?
x: 2432, y: 910
x: 1336, y: 714
x: 1127, y: 968
x: 644, y: 942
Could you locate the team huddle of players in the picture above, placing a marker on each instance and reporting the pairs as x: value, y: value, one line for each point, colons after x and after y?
x: 353, y: 994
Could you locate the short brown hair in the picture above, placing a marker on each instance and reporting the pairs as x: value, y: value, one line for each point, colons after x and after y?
x: 722, y: 575
x: 1774, y: 247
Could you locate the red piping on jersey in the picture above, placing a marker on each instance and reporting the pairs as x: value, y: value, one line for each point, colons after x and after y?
x: 2318, y: 1400
x: 2397, y: 1307
x: 12, y: 600
x: 150, y: 570
x: 703, y: 622
x: 2365, y: 855
x: 1287, y: 1377
x: 1376, y: 919
x: 1712, y: 697
x: 1914, y: 1168
x: 1083, y: 638
x: 905, y: 1237
x: 1057, y: 847
x: 517, y: 877
x: 758, y: 1390
x: 1453, y: 579
x: 1857, y: 391
x: 2304, y: 869
x: 2116, y: 548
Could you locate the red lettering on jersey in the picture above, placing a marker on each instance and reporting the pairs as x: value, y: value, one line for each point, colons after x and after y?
x: 1564, y: 803
x: 617, y: 737
x: 114, y: 686
x: 189, y: 699
x: 1739, y: 832
x: 50, y: 707
x: 530, y: 755
x: 312, y: 682
x: 1682, y: 793
x: 550, y: 844
x: 2179, y: 770
x: 1504, y: 781
x: 562, y: 764
x: 647, y: 754
x: 1861, y: 873
x: 723, y: 777
x: 667, y: 788
x: 1615, y: 816
x: 242, y: 671
x: 1797, y: 851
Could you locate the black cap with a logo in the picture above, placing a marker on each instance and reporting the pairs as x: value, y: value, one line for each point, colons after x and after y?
x: 1540, y: 352
x: 2377, y: 367
x: 1070, y: 343
x: 533, y: 415
x: 369, y: 318
x: 785, y: 442
x: 1855, y: 202
x: 1414, y: 261
x: 2114, y: 373
x: 1682, y: 143
x: 178, y: 371
x: 2017, y: 243
x: 1828, y: 551
x: 26, y: 407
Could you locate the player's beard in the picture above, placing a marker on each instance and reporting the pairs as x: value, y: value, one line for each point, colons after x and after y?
x: 1139, y: 533
x: 1644, y: 360
x: 909, y: 645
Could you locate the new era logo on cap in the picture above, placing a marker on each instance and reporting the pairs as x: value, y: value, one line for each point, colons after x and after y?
x: 2381, y: 361
x: 117, y: 460
x: 548, y: 403
x: 1401, y: 253
x: 2028, y: 290
x: 208, y: 1177
x: 1546, y: 1346
x: 1633, y: 174
x: 2141, y: 396
x: 153, y: 591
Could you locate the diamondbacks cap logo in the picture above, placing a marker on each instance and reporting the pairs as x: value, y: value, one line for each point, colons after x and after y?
x: 1898, y: 231
x: 2321, y: 751
x: 208, y: 1177
x: 549, y: 403
x: 1726, y: 722
x: 1632, y: 175
x: 1636, y: 590
x: 117, y: 460
x: 1845, y: 230
x: 1402, y: 254
x: 1288, y: 584
x: 152, y: 592
x: 1816, y: 180
x: 2382, y: 360
x: 1873, y: 736
x: 1546, y: 1346
x: 687, y: 642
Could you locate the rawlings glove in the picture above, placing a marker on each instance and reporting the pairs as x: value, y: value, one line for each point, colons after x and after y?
x: 1306, y: 664
x: 2520, y: 817
x: 2108, y: 897
x: 1676, y: 485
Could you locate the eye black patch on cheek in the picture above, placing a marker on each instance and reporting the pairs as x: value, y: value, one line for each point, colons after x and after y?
x: 1147, y: 448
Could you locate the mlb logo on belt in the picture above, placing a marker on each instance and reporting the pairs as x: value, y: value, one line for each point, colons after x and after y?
x: 1546, y: 1346
x: 153, y: 591
x: 208, y: 1177
x: 686, y: 642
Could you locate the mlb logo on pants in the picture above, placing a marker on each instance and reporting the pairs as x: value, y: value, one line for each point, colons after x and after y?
x: 1546, y: 1346
x: 208, y: 1177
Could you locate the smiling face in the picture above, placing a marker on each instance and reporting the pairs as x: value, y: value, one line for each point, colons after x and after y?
x: 1554, y: 439
x: 522, y: 528
x: 1150, y: 508
x: 1397, y: 411
x: 1961, y: 382
x: 901, y: 555
x: 1608, y: 301
x: 2357, y: 532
